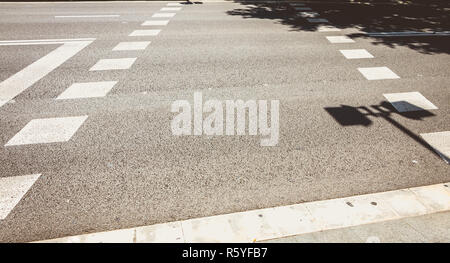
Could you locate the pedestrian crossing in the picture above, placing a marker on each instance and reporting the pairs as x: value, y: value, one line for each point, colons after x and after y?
x: 402, y: 102
x: 63, y: 128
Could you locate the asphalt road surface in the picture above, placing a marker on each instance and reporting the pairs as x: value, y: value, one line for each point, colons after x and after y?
x: 105, y: 157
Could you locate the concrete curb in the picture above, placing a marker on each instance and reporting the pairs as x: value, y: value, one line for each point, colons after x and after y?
x: 283, y: 221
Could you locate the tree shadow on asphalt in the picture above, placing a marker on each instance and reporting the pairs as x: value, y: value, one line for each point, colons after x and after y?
x: 348, y: 116
x: 368, y: 17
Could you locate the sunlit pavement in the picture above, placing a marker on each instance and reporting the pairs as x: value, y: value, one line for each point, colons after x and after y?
x: 85, y: 109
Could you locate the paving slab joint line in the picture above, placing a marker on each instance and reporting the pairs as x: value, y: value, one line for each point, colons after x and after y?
x: 284, y: 221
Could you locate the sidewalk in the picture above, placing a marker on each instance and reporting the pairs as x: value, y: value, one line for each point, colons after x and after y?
x: 419, y: 214
x: 431, y: 228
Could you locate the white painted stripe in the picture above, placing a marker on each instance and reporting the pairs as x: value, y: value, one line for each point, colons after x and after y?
x: 155, y: 23
x: 47, y: 130
x: 147, y: 32
x: 138, y: 45
x: 86, y: 16
x: 408, y: 34
x: 327, y: 28
x: 409, y: 101
x: 297, y: 4
x: 377, y: 73
x: 87, y: 90
x: 57, y: 41
x: 355, y: 53
x: 440, y: 141
x: 340, y: 39
x: 277, y: 222
x: 163, y: 15
x: 317, y: 20
x: 12, y: 190
x: 170, y: 9
x: 308, y: 14
x: 23, y: 79
x: 113, y: 64
x: 174, y: 4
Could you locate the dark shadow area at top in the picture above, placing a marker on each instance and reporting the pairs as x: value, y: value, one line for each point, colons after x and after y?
x: 191, y: 3
x: 370, y: 16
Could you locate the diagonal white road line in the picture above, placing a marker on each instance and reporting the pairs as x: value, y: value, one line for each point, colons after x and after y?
x: 23, y: 79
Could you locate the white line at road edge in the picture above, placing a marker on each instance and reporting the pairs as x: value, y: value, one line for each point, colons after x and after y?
x: 408, y: 34
x: 86, y: 16
x: 282, y: 221
x: 42, y: 41
x: 25, y: 78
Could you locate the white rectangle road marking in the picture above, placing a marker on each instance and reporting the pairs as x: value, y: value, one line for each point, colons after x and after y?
x: 155, y: 23
x: 42, y: 41
x: 170, y: 9
x: 355, y: 53
x: 440, y: 141
x: 47, y: 130
x: 308, y: 14
x: 277, y: 222
x: 317, y: 20
x: 409, y: 101
x: 23, y: 79
x: 136, y: 45
x: 327, y: 28
x: 87, y: 90
x: 174, y: 4
x: 163, y: 15
x: 378, y: 73
x: 86, y: 16
x: 113, y: 64
x: 12, y: 190
x: 145, y: 32
x: 339, y: 39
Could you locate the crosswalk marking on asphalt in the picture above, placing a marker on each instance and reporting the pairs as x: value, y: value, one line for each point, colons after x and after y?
x: 308, y: 14
x: 339, y: 39
x: 87, y: 90
x: 317, y: 20
x: 136, y: 45
x: 282, y: 221
x: 145, y: 32
x: 355, y: 53
x: 378, y: 73
x: 440, y: 141
x: 163, y: 15
x: 113, y: 64
x: 170, y: 9
x: 327, y: 28
x: 155, y: 23
x: 25, y: 78
x: 86, y: 16
x: 48, y: 130
x: 409, y: 101
x: 12, y: 190
x: 174, y: 4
